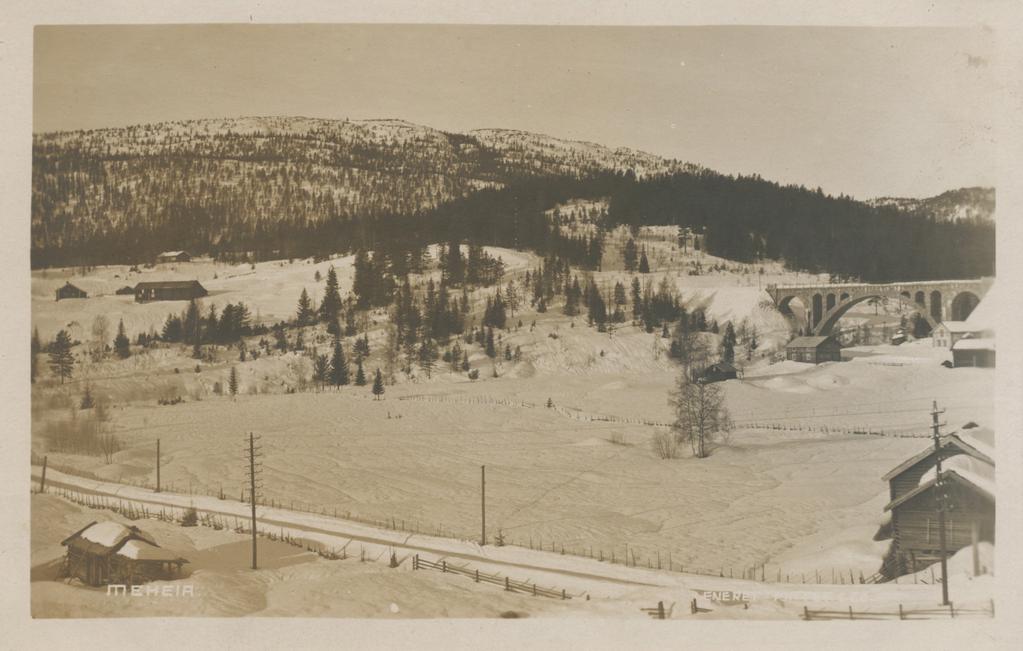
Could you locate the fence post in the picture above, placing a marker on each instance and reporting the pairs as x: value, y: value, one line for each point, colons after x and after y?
x: 951, y: 610
x: 806, y: 613
x: 42, y: 479
x: 901, y: 615
x: 660, y: 610
x: 692, y: 606
x: 506, y: 584
x: 477, y: 576
x: 850, y: 612
x: 563, y: 594
x: 415, y: 562
x: 443, y: 566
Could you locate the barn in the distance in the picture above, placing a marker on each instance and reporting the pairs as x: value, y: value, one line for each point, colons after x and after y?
x: 968, y: 470
x: 174, y: 256
x: 109, y: 552
x: 814, y: 350
x: 70, y: 291
x: 718, y: 372
x: 169, y: 290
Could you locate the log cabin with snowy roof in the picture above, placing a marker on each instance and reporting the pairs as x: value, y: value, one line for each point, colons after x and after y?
x: 108, y: 552
x: 968, y: 473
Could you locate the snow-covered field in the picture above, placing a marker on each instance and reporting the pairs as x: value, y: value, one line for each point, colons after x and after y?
x: 796, y: 490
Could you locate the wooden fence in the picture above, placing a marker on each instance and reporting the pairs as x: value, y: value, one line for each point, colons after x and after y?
x: 494, y: 579
x: 901, y: 614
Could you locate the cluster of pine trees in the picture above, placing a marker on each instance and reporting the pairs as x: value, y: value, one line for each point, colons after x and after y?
x: 191, y: 327
x: 746, y: 218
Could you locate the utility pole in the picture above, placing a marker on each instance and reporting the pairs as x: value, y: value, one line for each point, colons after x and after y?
x: 483, y: 504
x: 939, y: 487
x: 157, y: 465
x: 252, y: 490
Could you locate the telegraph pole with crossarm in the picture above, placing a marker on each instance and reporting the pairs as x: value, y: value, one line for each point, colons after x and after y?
x: 940, y: 495
x: 253, y: 495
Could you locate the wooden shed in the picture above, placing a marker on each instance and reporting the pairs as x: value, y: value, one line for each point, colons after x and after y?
x: 70, y: 291
x: 718, y: 372
x: 974, y: 351
x: 169, y: 290
x: 108, y: 552
x: 174, y: 256
x: 968, y: 475
x: 814, y: 350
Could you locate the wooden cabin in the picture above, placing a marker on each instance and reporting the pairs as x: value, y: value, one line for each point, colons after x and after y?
x: 974, y: 351
x: 814, y: 350
x: 174, y: 256
x: 718, y: 372
x: 968, y: 475
x: 102, y: 553
x: 70, y: 291
x: 169, y: 290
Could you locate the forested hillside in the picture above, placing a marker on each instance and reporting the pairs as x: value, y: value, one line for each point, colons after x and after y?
x: 290, y: 187
x: 237, y: 184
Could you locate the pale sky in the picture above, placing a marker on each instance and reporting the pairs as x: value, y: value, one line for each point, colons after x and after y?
x: 862, y: 111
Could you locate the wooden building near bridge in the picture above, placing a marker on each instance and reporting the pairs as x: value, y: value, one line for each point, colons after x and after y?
x: 814, y: 350
x: 967, y: 459
x: 108, y: 552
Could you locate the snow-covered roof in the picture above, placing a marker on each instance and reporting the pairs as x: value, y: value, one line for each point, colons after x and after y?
x: 171, y: 253
x: 108, y: 534
x: 983, y: 316
x: 975, y: 471
x: 140, y: 550
x: 956, y: 326
x: 974, y: 343
x: 807, y: 342
x: 980, y: 437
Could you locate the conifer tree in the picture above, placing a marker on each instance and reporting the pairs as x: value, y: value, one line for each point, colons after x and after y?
x: 427, y: 356
x: 338, y: 365
x: 629, y: 255
x: 87, y: 402
x: 61, y: 360
x: 121, y: 344
x: 507, y: 352
x: 330, y: 306
x: 378, y: 385
x: 637, y: 298
x: 232, y: 381
x: 644, y: 264
x: 511, y: 297
x: 491, y: 351
x: 465, y: 361
x: 360, y: 375
x: 321, y: 370
x: 728, y: 343
x: 305, y: 309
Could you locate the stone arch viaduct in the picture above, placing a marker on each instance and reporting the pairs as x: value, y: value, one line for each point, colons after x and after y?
x: 935, y: 300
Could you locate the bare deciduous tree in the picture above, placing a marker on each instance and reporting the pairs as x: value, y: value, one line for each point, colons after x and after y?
x: 700, y: 414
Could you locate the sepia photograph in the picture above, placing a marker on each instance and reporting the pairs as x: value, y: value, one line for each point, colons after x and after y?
x: 475, y: 321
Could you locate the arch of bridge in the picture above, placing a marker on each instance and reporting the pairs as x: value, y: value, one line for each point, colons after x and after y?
x: 824, y: 319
